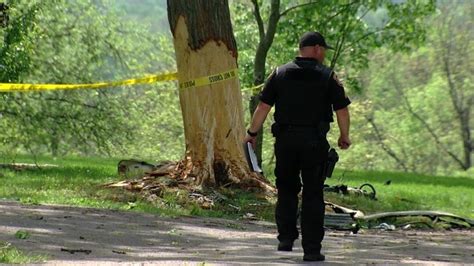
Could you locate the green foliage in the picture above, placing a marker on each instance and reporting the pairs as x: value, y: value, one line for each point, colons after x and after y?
x: 83, y: 42
x: 385, y: 51
x: 397, y: 82
x: 385, y: 48
x: 22, y: 234
x: 354, y: 28
x: 150, y: 12
x: 11, y: 255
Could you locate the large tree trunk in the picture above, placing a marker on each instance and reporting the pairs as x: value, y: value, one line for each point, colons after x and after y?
x: 212, y: 114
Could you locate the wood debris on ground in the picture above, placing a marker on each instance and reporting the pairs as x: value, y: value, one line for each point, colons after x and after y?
x: 151, y: 181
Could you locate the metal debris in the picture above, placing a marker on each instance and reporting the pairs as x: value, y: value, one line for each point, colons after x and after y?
x: 433, y: 215
x: 385, y: 226
x: 366, y: 190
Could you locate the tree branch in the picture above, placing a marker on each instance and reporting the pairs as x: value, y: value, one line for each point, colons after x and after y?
x: 363, y: 37
x: 384, y: 146
x: 73, y: 103
x: 265, y: 43
x: 295, y: 7
x: 339, y: 45
x: 340, y: 42
x: 272, y: 22
x: 429, y: 129
x: 345, y: 7
x: 258, y: 18
x: 10, y: 113
x: 452, y: 89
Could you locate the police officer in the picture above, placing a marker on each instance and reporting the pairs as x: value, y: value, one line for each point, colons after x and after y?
x: 305, y: 94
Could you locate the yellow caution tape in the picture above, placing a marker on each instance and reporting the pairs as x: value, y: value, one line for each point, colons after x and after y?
x: 254, y: 89
x: 257, y: 89
x: 202, y: 81
x: 10, y: 87
x: 212, y: 79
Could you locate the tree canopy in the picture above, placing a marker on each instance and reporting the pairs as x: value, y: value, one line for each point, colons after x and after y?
x: 406, y: 65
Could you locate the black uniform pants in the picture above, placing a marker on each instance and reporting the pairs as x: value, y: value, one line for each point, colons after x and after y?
x: 300, y: 152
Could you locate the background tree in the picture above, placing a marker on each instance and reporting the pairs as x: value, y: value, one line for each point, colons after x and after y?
x: 346, y: 24
x: 422, y: 116
x: 82, y: 42
x: 454, y: 45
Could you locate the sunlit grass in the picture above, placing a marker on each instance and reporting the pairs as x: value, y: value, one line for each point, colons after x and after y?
x: 408, y: 192
x: 11, y: 255
x: 77, y: 181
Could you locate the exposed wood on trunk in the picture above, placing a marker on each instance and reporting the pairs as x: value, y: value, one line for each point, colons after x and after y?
x: 212, y: 114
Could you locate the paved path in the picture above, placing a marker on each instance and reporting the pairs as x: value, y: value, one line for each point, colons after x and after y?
x: 133, y: 238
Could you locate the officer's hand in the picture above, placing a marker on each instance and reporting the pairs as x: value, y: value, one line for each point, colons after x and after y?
x: 344, y: 142
x: 252, y: 140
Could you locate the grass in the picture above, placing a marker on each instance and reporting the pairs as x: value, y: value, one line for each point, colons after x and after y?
x: 77, y: 182
x: 408, y: 192
x: 11, y: 255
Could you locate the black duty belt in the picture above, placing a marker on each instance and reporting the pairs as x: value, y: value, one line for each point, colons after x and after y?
x: 322, y: 125
x: 322, y: 128
x: 288, y: 126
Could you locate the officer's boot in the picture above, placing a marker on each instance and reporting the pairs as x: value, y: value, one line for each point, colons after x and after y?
x: 285, y: 245
x: 314, y: 257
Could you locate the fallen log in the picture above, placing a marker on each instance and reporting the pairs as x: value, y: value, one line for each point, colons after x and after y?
x: 25, y: 166
x: 431, y: 214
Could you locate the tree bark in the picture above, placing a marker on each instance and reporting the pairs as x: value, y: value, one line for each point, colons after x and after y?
x: 452, y: 42
x: 212, y: 114
x: 462, y: 110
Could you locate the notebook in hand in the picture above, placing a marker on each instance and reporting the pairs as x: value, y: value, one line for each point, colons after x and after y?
x: 251, y: 158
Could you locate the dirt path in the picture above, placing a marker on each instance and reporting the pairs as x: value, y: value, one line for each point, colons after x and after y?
x: 135, y: 238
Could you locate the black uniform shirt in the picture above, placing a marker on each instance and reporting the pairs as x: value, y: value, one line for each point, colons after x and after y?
x: 299, y: 91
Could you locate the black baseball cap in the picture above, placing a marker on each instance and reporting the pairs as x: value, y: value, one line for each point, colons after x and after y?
x: 313, y: 38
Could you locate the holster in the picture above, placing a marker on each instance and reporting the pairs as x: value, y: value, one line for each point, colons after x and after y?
x: 276, y: 129
x: 333, y: 157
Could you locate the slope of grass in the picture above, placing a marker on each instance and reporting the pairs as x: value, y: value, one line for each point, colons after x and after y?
x: 77, y: 182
